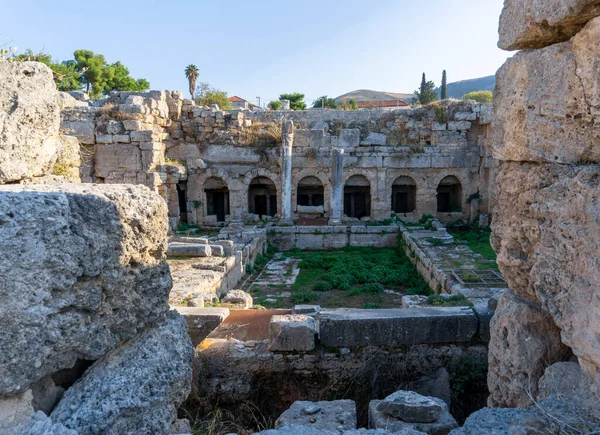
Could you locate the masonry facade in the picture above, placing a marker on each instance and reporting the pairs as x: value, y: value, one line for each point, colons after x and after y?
x: 214, y: 167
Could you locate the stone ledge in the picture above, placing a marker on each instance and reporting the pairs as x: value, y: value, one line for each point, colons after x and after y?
x: 356, y: 327
x: 202, y: 321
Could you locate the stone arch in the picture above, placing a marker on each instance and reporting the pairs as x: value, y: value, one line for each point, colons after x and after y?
x: 357, y: 196
x: 275, y: 180
x: 317, y: 175
x: 404, y: 194
x: 262, y: 197
x: 449, y: 195
x: 218, y: 191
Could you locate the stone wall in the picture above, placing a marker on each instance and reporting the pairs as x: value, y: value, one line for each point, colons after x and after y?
x: 546, y: 215
x: 180, y: 150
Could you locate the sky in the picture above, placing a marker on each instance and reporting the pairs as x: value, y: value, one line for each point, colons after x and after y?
x: 263, y: 48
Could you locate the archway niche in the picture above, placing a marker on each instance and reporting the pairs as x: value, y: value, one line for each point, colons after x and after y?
x: 262, y: 197
x: 449, y: 195
x: 404, y: 195
x: 181, y: 188
x: 357, y: 197
x: 217, y: 198
x: 310, y: 192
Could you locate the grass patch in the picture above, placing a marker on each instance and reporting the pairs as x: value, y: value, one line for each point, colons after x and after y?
x: 478, y: 239
x: 452, y: 301
x: 358, y: 270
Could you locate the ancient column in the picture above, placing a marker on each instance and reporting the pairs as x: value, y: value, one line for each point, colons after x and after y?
x: 287, y: 135
x: 337, y: 186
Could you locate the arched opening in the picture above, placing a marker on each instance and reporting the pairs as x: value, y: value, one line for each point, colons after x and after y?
x: 357, y: 197
x: 310, y: 192
x: 217, y: 198
x: 404, y: 195
x: 182, y: 200
x: 262, y: 197
x: 449, y: 195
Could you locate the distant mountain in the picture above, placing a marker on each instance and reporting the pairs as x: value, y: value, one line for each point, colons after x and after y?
x: 361, y: 95
x: 458, y: 89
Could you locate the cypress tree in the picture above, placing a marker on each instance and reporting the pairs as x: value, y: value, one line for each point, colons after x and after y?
x: 444, y: 90
x: 426, y: 93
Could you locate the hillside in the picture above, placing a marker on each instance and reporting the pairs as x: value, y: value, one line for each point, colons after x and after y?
x: 458, y: 89
x: 370, y: 95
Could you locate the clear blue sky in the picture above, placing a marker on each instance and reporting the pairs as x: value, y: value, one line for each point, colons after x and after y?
x: 264, y: 48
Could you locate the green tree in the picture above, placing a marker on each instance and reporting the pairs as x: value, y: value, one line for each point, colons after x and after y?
x: 325, y: 103
x: 479, y: 96
x: 275, y: 105
x: 206, y: 96
x: 296, y: 100
x: 191, y: 73
x: 65, y: 73
x: 92, y: 67
x: 122, y: 81
x: 444, y: 90
x: 426, y: 93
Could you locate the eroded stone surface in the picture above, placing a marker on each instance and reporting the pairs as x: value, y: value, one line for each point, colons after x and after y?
x: 136, y: 388
x: 293, y: 332
x: 83, y: 269
x: 338, y: 415
x: 546, y: 232
x: 526, y: 24
x: 411, y: 407
x: 547, y: 103
x: 524, y: 341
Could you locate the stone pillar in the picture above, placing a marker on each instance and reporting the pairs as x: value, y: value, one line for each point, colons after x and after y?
x: 287, y: 133
x: 337, y: 186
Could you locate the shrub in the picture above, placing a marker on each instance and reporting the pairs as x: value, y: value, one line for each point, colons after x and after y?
x: 322, y: 286
x: 479, y: 96
x: 275, y: 105
x: 304, y: 297
x: 373, y: 288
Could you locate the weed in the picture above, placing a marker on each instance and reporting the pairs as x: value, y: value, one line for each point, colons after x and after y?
x: 373, y: 288
x: 435, y: 241
x: 452, y: 301
x: 304, y: 297
x: 322, y: 286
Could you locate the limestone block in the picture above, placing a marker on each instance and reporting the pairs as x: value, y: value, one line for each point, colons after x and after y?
x: 546, y: 231
x: 527, y: 24
x: 217, y: 251
x: 15, y: 410
x: 117, y: 158
x: 239, y: 297
x: 349, y: 138
x: 292, y: 333
x: 104, y: 138
x: 375, y: 139
x: 29, y: 120
x: 189, y: 250
x: 136, y: 388
x: 71, y: 254
x: 84, y: 131
x: 355, y: 327
x: 411, y: 407
x: 202, y: 321
x: 524, y: 340
x: 142, y: 136
x: 465, y: 116
x: 40, y: 424
x: 380, y: 420
x: 337, y: 415
x: 533, y: 124
x: 309, y: 310
x: 436, y: 384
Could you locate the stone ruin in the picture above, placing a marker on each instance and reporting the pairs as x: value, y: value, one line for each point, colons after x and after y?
x: 89, y: 344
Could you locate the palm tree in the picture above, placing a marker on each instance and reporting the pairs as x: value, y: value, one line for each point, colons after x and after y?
x: 191, y: 73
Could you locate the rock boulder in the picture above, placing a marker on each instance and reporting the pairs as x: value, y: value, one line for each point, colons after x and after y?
x: 29, y: 120
x: 136, y: 388
x: 82, y: 270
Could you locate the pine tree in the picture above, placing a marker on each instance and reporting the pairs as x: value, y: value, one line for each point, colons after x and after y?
x: 444, y: 90
x: 426, y: 93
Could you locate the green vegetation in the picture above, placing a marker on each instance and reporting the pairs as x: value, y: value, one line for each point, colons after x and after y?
x: 426, y: 93
x: 325, y: 102
x: 350, y: 104
x: 188, y: 230
x: 479, y: 96
x: 275, y: 105
x: 207, y: 95
x: 444, y: 89
x: 353, y: 269
x: 452, y: 301
x: 478, y: 239
x: 191, y: 74
x: 88, y: 71
x: 296, y: 100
